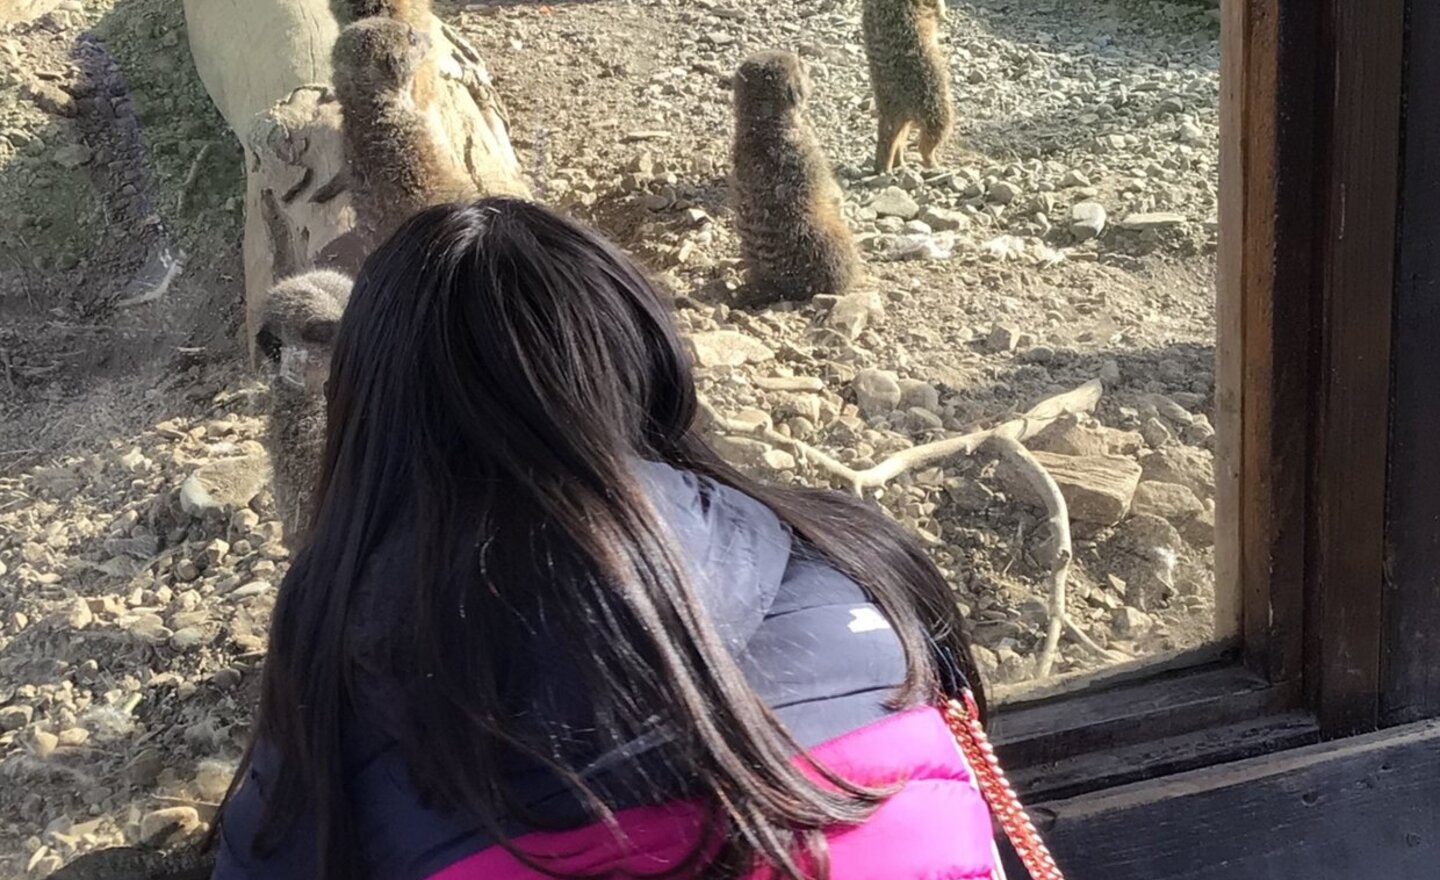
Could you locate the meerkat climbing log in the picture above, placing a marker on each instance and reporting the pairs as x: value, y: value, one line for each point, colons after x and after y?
x: 266, y: 65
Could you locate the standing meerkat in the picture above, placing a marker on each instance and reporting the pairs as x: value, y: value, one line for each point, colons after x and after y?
x: 793, y: 239
x: 297, y: 331
x: 395, y: 161
x: 910, y: 77
x: 419, y: 14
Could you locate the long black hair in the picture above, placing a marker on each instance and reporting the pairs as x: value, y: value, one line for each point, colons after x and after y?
x: 497, y: 372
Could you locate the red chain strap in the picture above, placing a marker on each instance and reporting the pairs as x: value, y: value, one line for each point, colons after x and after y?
x: 964, y: 720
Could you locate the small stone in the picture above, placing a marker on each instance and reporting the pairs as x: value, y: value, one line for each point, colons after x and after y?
x: 214, y: 554
x: 1190, y: 133
x: 227, y: 484
x: 1199, y: 432
x: 1002, y: 339
x: 916, y: 392
x: 790, y: 383
x: 779, y: 460
x: 656, y: 201
x: 44, y: 743
x: 969, y: 496
x: 191, y: 637
x: 1074, y: 177
x: 1003, y: 192
x: 254, y: 588
x: 212, y: 779
x: 186, y: 571
x: 751, y: 420
x: 1067, y: 437
x: 877, y: 392
x: 74, y: 736
x: 741, y: 451
x: 165, y: 826
x: 1171, y: 105
x: 80, y: 616
x: 1160, y: 220
x: 1087, y: 220
x: 895, y: 202
x: 1169, y: 501
x: 728, y: 348
x: 921, y: 420
x: 227, y: 678
x: 854, y: 312
x: 147, y: 627
x: 1200, y: 530
x: 44, y: 862
x: 1130, y: 623
x: 15, y: 717
x: 245, y: 520
x: 1156, y: 433
x: 943, y: 219
x: 72, y: 156
x: 1172, y: 410
x: 145, y: 767
x: 1192, y: 468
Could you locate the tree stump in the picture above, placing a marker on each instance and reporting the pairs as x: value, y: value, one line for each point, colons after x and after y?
x: 266, y: 65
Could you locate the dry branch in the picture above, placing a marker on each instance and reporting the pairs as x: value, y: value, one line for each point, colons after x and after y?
x: 1061, y: 550
x: 1080, y: 400
x: 1007, y: 438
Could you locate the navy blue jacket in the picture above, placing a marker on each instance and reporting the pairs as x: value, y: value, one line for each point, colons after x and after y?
x: 809, y: 642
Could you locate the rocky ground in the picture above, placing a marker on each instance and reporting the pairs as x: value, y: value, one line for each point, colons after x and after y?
x: 1068, y: 238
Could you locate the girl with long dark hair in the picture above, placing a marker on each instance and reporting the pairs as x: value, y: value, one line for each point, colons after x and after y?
x: 541, y: 630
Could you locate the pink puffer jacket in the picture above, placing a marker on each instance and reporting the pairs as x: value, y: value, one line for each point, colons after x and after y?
x: 936, y: 827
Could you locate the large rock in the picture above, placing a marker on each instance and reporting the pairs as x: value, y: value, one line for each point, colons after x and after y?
x: 1066, y: 436
x: 224, y: 485
x: 1169, y: 501
x: 728, y: 348
x: 877, y: 392
x: 1144, y: 552
x: 1098, y: 489
x: 1186, y: 466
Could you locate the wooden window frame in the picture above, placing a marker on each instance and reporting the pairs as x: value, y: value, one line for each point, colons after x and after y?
x: 1328, y: 481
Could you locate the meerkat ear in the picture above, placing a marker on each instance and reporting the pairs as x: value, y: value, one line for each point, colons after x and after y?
x: 268, y: 342
x: 319, y: 330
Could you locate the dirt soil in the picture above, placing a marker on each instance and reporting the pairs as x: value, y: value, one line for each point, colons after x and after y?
x: 133, y: 617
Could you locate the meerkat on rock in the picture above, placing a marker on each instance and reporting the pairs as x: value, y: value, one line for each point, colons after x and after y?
x: 793, y: 238
x: 297, y: 330
x: 396, y: 160
x: 910, y: 77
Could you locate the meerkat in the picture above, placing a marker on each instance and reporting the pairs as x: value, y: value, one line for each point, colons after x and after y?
x: 297, y: 331
x: 910, y: 77
x: 419, y: 14
x: 793, y: 239
x: 395, y: 161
